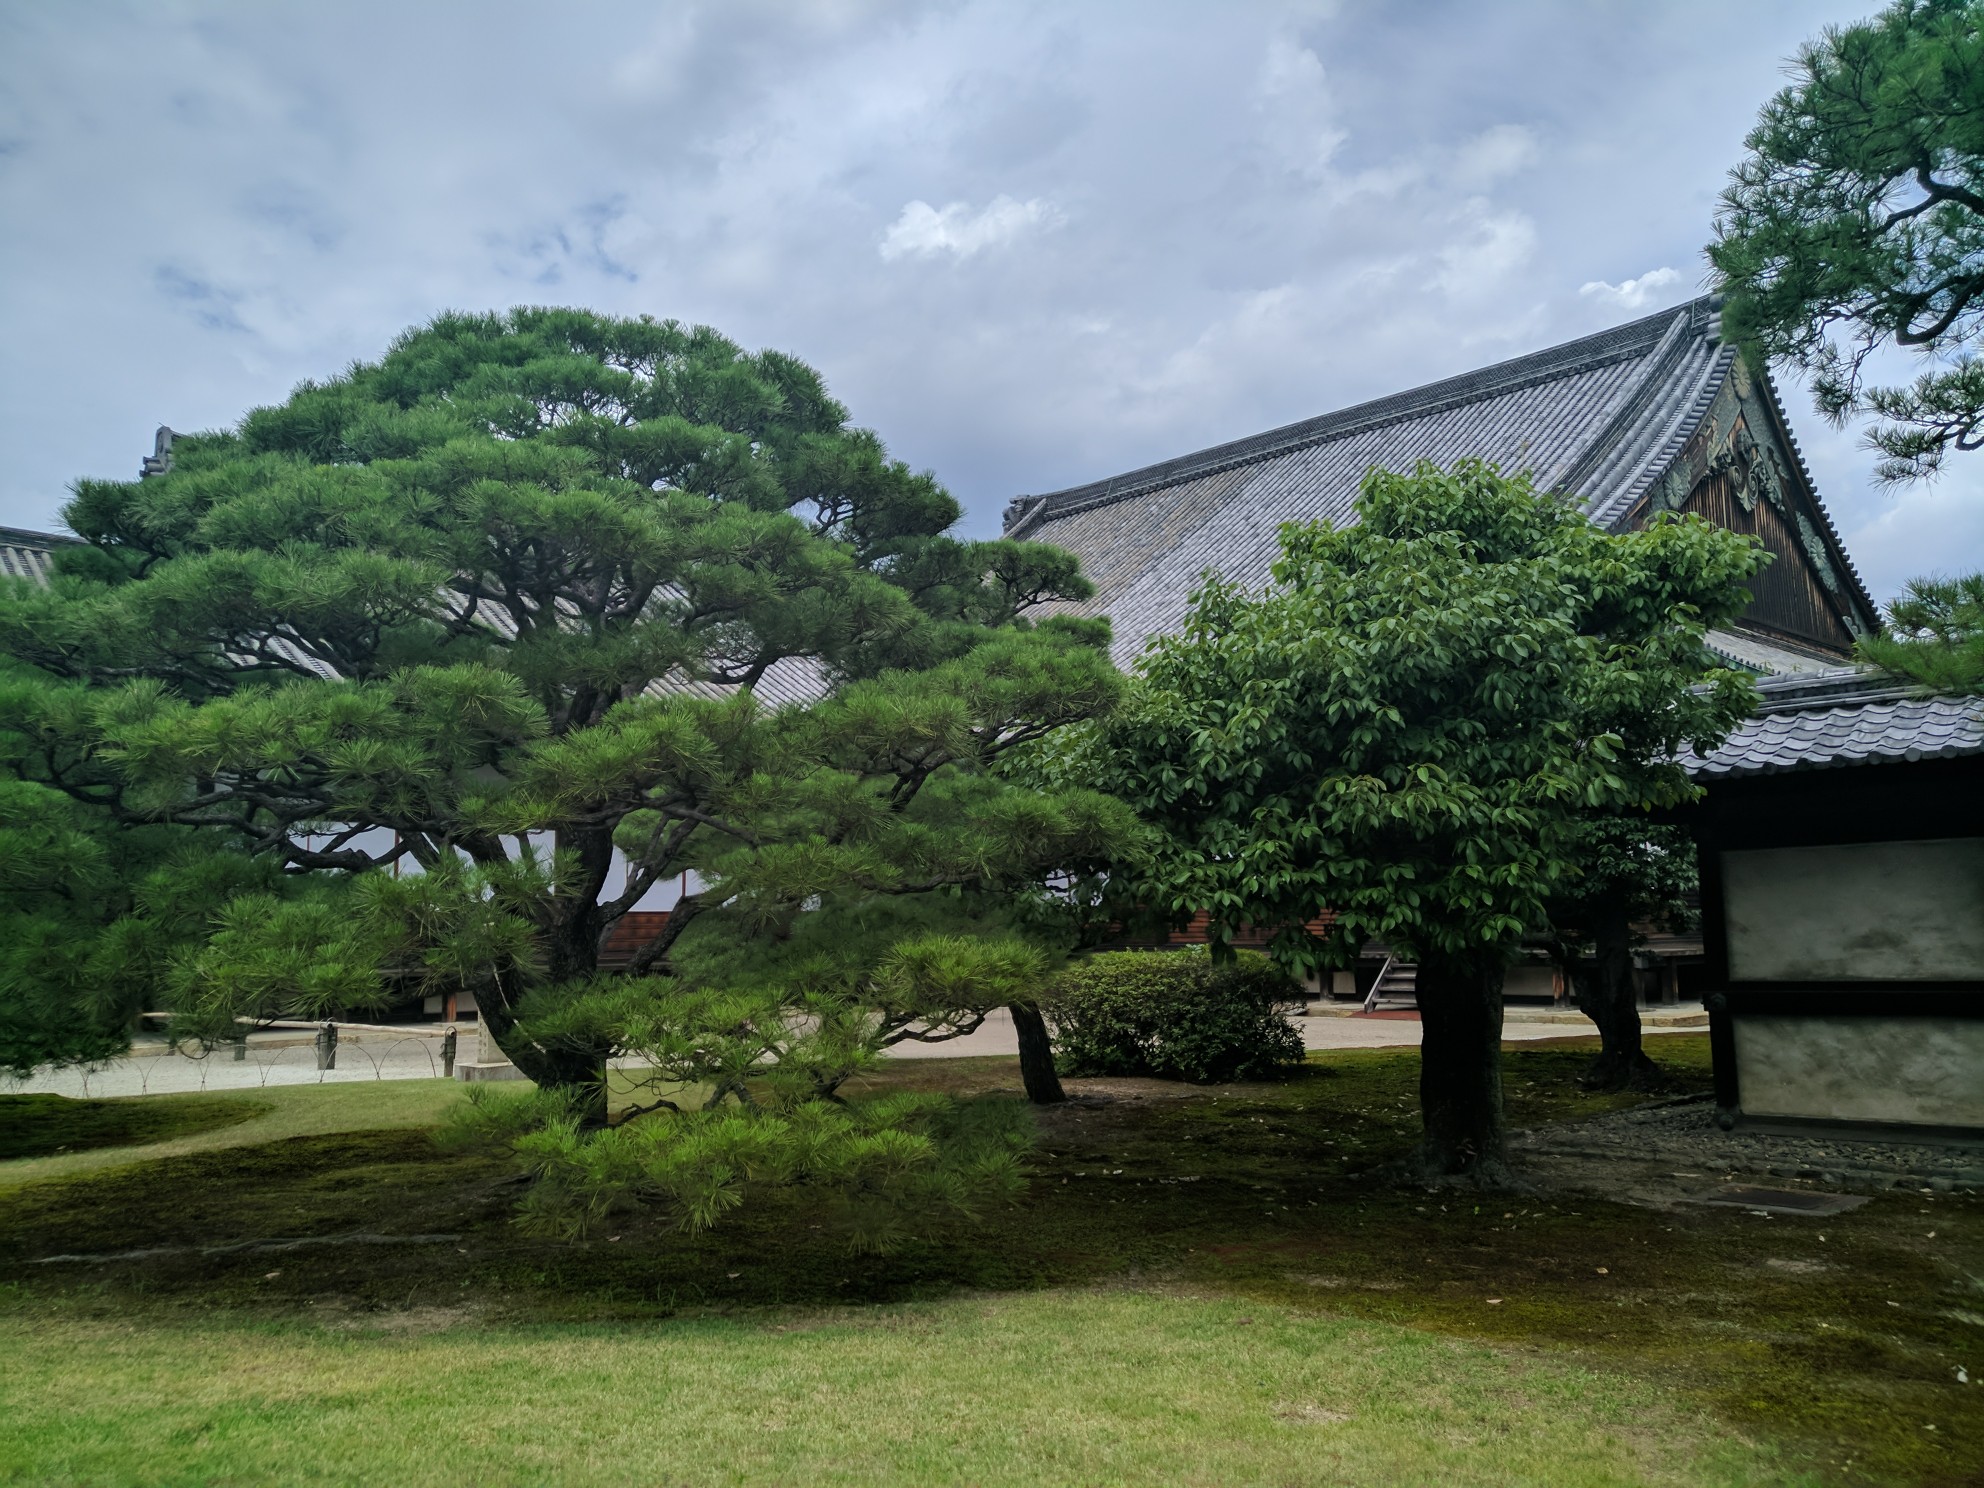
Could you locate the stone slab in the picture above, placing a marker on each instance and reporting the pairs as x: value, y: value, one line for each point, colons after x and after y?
x: 1802, y: 1202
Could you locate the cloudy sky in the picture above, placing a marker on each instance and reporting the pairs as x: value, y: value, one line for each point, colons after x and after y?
x: 1031, y: 244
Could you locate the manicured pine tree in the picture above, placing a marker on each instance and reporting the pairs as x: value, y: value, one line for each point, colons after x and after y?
x: 554, y: 609
x: 1855, y: 226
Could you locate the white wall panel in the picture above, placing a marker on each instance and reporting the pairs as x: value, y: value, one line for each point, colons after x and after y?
x: 1919, y: 1070
x: 1872, y: 911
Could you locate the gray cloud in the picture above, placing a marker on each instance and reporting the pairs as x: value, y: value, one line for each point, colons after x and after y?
x: 1030, y: 243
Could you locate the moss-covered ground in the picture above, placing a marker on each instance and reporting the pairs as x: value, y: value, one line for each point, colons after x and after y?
x: 148, y: 1128
x: 51, y: 1125
x: 1702, y: 1345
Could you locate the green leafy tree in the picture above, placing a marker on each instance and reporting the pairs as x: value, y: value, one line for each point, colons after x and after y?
x: 549, y: 610
x: 1857, y: 223
x: 1401, y: 728
x: 1629, y: 873
x: 1935, y: 635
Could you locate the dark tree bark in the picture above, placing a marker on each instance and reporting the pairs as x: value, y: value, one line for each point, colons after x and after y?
x: 1604, y: 986
x: 1460, y: 1068
x: 1043, y: 1086
x: 571, y: 943
x: 579, y: 1072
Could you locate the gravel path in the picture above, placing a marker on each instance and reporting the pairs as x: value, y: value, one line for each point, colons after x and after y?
x: 415, y: 1054
x: 1671, y: 1151
x: 1323, y: 1031
x: 152, y: 1069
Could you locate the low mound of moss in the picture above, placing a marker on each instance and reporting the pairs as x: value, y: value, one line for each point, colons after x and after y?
x: 42, y: 1125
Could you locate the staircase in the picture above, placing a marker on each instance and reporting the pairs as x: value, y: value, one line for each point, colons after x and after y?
x: 1396, y: 987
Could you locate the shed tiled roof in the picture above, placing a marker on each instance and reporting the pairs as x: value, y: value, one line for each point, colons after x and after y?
x: 1847, y: 716
x: 1603, y: 418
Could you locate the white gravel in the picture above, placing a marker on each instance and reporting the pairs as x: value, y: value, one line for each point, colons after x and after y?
x: 415, y: 1054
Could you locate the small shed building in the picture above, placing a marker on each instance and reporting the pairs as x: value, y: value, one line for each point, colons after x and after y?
x: 1842, y: 861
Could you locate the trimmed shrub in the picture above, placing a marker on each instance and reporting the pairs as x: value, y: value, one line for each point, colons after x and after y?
x: 1176, y: 1015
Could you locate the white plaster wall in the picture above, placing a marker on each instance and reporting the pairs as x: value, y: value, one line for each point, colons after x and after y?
x: 1876, y: 911
x: 1923, y: 1070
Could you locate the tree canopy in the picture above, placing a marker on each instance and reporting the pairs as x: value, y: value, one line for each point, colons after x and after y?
x: 1630, y: 872
x: 1413, y: 727
x: 1935, y: 635
x: 556, y: 611
x: 1857, y: 223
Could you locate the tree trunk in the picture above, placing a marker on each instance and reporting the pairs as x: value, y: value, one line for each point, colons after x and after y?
x: 1460, y: 1068
x: 1043, y: 1086
x: 579, y: 1072
x: 571, y: 944
x: 1605, y: 995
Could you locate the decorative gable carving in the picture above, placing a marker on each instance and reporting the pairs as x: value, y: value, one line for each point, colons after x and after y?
x: 1737, y: 472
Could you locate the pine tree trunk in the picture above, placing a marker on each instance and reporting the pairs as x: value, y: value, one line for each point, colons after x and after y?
x: 1460, y: 1068
x: 570, y: 948
x: 571, y: 942
x: 580, y: 1073
x: 1043, y: 1086
x: 1605, y: 995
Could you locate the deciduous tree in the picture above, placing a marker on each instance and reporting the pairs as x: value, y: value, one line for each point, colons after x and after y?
x: 1412, y: 726
x: 1629, y: 872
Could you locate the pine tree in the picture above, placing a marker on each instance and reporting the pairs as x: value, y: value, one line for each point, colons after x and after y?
x: 1856, y: 222
x: 548, y: 609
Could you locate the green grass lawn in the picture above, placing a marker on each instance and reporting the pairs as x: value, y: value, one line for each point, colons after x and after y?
x: 1200, y: 1285
x: 1052, y: 1387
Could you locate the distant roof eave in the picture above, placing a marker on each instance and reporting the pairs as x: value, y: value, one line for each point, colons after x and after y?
x: 1619, y: 343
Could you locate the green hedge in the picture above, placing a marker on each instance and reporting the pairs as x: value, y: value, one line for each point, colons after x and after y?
x: 1176, y: 1015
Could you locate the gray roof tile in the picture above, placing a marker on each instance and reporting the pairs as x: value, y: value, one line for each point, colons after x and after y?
x: 30, y: 555
x: 1602, y: 417
x: 1846, y: 716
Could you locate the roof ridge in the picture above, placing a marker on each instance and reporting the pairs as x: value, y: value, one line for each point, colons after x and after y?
x: 27, y: 537
x: 1851, y: 685
x: 1618, y: 343
x: 1685, y: 427
x: 1636, y: 404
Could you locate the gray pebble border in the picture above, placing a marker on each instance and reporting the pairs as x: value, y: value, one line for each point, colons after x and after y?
x: 1685, y: 1134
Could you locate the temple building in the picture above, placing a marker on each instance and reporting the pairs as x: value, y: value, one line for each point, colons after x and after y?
x: 1652, y: 416
x: 1842, y: 829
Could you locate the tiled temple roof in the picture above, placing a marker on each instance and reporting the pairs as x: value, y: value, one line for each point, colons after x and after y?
x: 29, y: 555
x: 1603, y: 417
x: 1845, y: 716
